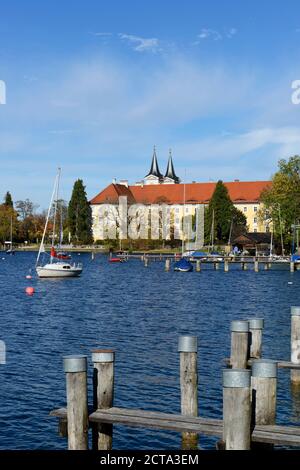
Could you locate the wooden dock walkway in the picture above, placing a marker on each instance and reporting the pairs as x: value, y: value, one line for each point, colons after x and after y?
x: 270, y: 434
x: 249, y: 396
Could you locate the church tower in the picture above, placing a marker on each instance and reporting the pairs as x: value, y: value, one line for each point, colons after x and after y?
x: 170, y: 176
x: 154, y: 176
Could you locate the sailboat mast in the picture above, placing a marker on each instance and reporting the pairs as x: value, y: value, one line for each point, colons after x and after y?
x: 11, y: 220
x: 55, y: 207
x: 47, y: 220
x: 183, y: 219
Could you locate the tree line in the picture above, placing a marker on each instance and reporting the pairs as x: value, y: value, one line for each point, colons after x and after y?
x: 73, y: 219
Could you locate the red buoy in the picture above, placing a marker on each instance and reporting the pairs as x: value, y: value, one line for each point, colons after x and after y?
x: 29, y: 290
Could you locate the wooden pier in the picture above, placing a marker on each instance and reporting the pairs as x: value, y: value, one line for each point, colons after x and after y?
x: 249, y: 397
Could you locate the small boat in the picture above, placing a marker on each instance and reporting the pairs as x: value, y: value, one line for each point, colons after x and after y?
x: 183, y: 266
x: 116, y: 260
x: 55, y: 268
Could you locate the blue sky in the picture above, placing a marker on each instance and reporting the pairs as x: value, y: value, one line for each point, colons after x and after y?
x: 92, y: 85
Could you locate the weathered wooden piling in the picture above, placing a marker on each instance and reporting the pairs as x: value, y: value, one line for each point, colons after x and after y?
x: 263, y: 394
x: 187, y: 347
x: 75, y: 368
x: 167, y: 265
x: 239, y: 344
x: 295, y: 344
x: 292, y: 266
x: 103, y: 361
x: 266, y: 266
x: 256, y: 266
x: 256, y: 326
x: 236, y: 409
x: 198, y: 265
x: 217, y: 266
x: 93, y: 255
x: 264, y: 389
x: 244, y: 266
x: 226, y: 265
x: 146, y: 261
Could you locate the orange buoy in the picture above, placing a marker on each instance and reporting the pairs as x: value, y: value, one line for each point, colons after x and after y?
x: 29, y: 290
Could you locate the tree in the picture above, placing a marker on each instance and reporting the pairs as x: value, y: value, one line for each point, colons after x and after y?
x: 222, y: 216
x: 8, y: 200
x: 80, y: 214
x: 25, y: 208
x: 281, y: 200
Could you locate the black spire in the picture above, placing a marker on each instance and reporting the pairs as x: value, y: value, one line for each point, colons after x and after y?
x: 170, y: 173
x: 154, y: 170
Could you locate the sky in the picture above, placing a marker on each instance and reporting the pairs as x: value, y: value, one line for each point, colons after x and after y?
x: 93, y: 85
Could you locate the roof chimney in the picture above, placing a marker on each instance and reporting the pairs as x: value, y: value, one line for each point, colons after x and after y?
x: 114, y: 181
x: 124, y: 183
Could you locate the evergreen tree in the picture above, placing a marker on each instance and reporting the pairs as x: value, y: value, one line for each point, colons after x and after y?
x: 80, y: 215
x: 222, y: 216
x: 8, y: 200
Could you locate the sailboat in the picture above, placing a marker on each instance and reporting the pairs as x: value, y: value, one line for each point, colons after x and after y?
x: 10, y: 250
x: 55, y: 268
x: 183, y: 265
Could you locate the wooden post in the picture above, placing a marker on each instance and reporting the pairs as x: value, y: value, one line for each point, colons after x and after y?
x: 239, y: 344
x: 167, y: 265
x: 217, y: 265
x: 187, y: 347
x: 256, y: 326
x: 292, y: 266
x: 103, y: 361
x: 198, y: 265
x: 256, y: 267
x: 75, y: 368
x: 146, y: 262
x: 264, y: 391
x: 226, y: 265
x: 266, y: 266
x: 236, y: 409
x: 295, y: 344
x: 93, y: 255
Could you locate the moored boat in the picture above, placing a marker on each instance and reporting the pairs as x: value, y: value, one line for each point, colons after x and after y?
x: 183, y: 265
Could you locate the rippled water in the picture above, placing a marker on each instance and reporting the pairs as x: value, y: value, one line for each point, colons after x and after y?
x: 139, y: 312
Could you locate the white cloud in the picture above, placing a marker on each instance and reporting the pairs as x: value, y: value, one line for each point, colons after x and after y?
x: 140, y: 44
x: 214, y: 35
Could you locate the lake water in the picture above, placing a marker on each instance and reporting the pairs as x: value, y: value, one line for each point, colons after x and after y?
x: 139, y: 312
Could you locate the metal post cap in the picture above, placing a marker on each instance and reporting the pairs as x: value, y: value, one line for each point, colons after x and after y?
x: 236, y: 378
x: 74, y: 363
x: 264, y: 368
x: 295, y: 311
x: 187, y: 343
x: 240, y: 325
x: 103, y: 355
x: 256, y: 323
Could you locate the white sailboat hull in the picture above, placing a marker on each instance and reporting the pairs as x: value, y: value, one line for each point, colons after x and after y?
x: 59, y: 270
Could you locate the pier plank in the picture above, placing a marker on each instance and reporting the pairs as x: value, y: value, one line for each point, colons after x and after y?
x: 273, y: 434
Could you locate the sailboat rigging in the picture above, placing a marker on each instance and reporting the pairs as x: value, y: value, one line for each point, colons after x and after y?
x: 55, y: 268
x: 10, y: 250
x: 183, y: 265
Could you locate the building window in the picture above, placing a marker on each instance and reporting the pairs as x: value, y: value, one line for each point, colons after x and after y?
x: 255, y: 220
x: 177, y: 220
x: 255, y: 209
x: 255, y: 230
x: 245, y: 209
x: 267, y: 229
x: 177, y: 210
x: 186, y: 209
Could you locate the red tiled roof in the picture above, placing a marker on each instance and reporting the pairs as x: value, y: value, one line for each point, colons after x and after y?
x: 239, y: 192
